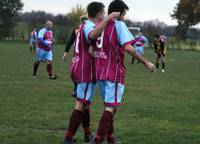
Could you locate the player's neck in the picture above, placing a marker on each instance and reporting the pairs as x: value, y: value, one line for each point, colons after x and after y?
x: 94, y: 20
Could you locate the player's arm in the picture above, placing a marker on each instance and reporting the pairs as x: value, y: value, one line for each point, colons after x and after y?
x: 69, y: 43
x: 42, y: 40
x: 126, y: 39
x: 45, y: 42
x: 131, y: 50
x: 98, y: 29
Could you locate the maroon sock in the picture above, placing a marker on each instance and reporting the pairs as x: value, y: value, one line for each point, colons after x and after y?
x: 49, y: 69
x: 110, y: 134
x: 74, y: 123
x: 86, y: 121
x: 104, y: 126
x: 35, y: 68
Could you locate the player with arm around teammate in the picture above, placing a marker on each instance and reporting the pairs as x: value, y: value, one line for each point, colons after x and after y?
x: 82, y: 68
x: 109, y: 65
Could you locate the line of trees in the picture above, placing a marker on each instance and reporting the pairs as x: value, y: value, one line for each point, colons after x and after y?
x: 187, y: 14
x: 17, y: 25
x: 8, y: 10
x: 13, y: 23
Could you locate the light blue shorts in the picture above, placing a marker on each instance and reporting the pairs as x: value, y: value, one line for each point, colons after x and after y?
x: 42, y: 55
x: 85, y: 92
x: 140, y: 50
x: 32, y: 42
x: 111, y: 92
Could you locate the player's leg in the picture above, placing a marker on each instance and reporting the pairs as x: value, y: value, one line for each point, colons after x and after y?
x: 163, y: 59
x: 74, y: 122
x: 112, y: 97
x: 48, y: 59
x: 35, y: 68
x: 86, y: 114
x: 86, y: 124
x: 74, y: 90
x: 133, y: 60
x: 34, y: 47
x: 104, y: 125
x: 84, y: 98
x: 38, y: 58
x: 163, y: 63
x: 110, y: 134
x: 157, y: 60
x: 49, y: 70
x: 30, y: 46
x: 140, y: 52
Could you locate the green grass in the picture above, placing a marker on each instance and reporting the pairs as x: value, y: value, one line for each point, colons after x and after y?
x: 158, y: 108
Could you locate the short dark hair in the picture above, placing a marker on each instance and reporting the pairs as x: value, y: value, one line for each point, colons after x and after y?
x: 83, y: 18
x: 156, y: 36
x: 117, y: 6
x: 94, y: 8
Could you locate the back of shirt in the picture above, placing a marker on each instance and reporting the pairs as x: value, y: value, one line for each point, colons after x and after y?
x: 82, y: 62
x: 109, y: 52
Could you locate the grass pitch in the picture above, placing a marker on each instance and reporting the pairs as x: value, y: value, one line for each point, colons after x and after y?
x: 158, y: 108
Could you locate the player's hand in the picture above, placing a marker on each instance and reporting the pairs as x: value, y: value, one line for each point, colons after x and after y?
x: 112, y: 15
x: 49, y: 43
x: 64, y: 56
x: 150, y: 66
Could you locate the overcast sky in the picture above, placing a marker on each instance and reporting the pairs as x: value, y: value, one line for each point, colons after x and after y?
x: 139, y: 10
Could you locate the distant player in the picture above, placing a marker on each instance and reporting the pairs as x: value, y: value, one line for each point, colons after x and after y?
x: 141, y: 42
x: 44, y: 50
x: 160, y: 45
x: 82, y: 71
x: 69, y: 44
x: 109, y: 65
x: 33, y: 40
x: 156, y: 43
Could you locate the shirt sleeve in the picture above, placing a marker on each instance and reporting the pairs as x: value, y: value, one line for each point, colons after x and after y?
x: 41, y: 34
x: 123, y: 34
x: 145, y: 39
x: 89, y: 26
x: 70, y: 41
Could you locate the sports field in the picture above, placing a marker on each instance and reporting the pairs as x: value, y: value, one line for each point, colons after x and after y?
x: 158, y: 108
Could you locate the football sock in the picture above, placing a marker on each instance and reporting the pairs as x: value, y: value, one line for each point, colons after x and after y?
x: 104, y: 126
x: 110, y: 135
x: 74, y: 123
x: 35, y: 68
x: 163, y: 65
x: 133, y: 59
x: 86, y: 122
x: 157, y: 65
x: 49, y: 69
